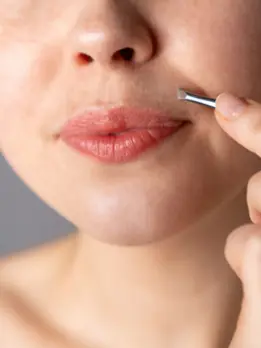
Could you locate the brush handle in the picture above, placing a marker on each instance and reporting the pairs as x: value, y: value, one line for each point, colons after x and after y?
x: 201, y: 100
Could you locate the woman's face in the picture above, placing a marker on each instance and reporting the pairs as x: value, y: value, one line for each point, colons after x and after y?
x: 203, y: 46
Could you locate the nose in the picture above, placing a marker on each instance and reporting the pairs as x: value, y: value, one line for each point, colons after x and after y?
x: 113, y: 35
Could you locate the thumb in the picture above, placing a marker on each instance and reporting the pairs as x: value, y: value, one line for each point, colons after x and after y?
x: 243, y: 253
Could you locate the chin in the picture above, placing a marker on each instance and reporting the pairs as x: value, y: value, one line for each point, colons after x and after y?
x: 149, y: 205
x: 140, y: 216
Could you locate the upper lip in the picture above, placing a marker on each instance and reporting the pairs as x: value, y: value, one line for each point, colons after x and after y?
x: 115, y: 119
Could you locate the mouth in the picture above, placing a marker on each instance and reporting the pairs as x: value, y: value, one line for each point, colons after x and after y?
x: 118, y: 135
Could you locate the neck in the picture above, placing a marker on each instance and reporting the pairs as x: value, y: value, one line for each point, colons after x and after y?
x: 179, y: 292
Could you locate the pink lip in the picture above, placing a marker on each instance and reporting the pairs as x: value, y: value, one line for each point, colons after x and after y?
x: 119, y: 134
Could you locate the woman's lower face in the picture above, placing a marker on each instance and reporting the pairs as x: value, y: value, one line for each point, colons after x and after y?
x: 59, y: 57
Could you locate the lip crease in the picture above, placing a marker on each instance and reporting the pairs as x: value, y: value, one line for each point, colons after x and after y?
x: 118, y: 134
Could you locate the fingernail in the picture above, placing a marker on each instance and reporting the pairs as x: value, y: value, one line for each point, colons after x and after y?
x: 229, y: 106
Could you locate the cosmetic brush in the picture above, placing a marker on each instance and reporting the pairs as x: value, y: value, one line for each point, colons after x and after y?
x: 186, y: 96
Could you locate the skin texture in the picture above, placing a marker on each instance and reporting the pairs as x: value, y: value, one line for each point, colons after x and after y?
x: 147, y: 259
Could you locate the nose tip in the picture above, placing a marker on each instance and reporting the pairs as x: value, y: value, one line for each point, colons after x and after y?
x: 114, y: 43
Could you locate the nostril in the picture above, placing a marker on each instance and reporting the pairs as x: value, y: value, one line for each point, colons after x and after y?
x: 84, y: 58
x: 125, y: 54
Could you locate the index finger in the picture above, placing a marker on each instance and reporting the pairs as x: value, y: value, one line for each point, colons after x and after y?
x: 241, y: 119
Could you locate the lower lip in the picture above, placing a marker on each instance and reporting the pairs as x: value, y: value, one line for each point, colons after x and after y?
x: 120, y: 148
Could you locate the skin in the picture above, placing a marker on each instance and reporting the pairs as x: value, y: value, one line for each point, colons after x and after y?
x: 146, y: 265
x: 243, y: 247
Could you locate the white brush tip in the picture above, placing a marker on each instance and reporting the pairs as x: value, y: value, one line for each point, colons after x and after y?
x: 181, y: 94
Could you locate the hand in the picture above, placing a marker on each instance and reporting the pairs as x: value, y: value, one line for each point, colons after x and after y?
x: 243, y: 248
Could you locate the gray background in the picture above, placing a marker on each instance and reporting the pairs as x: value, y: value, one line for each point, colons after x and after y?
x: 25, y: 220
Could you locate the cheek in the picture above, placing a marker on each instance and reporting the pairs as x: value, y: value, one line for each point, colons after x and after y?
x: 15, y: 63
x: 217, y: 51
x: 26, y: 72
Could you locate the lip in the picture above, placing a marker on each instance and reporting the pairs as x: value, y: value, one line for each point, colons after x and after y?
x: 118, y: 134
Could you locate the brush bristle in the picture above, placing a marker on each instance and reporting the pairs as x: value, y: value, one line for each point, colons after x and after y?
x: 181, y: 94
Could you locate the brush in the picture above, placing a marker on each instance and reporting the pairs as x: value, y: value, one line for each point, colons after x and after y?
x: 186, y: 96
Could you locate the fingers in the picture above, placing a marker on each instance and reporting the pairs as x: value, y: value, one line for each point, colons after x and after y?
x: 254, y: 198
x: 236, y: 245
x: 243, y: 252
x: 241, y: 119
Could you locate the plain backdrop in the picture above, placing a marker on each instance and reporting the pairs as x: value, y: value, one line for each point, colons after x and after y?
x: 25, y: 220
